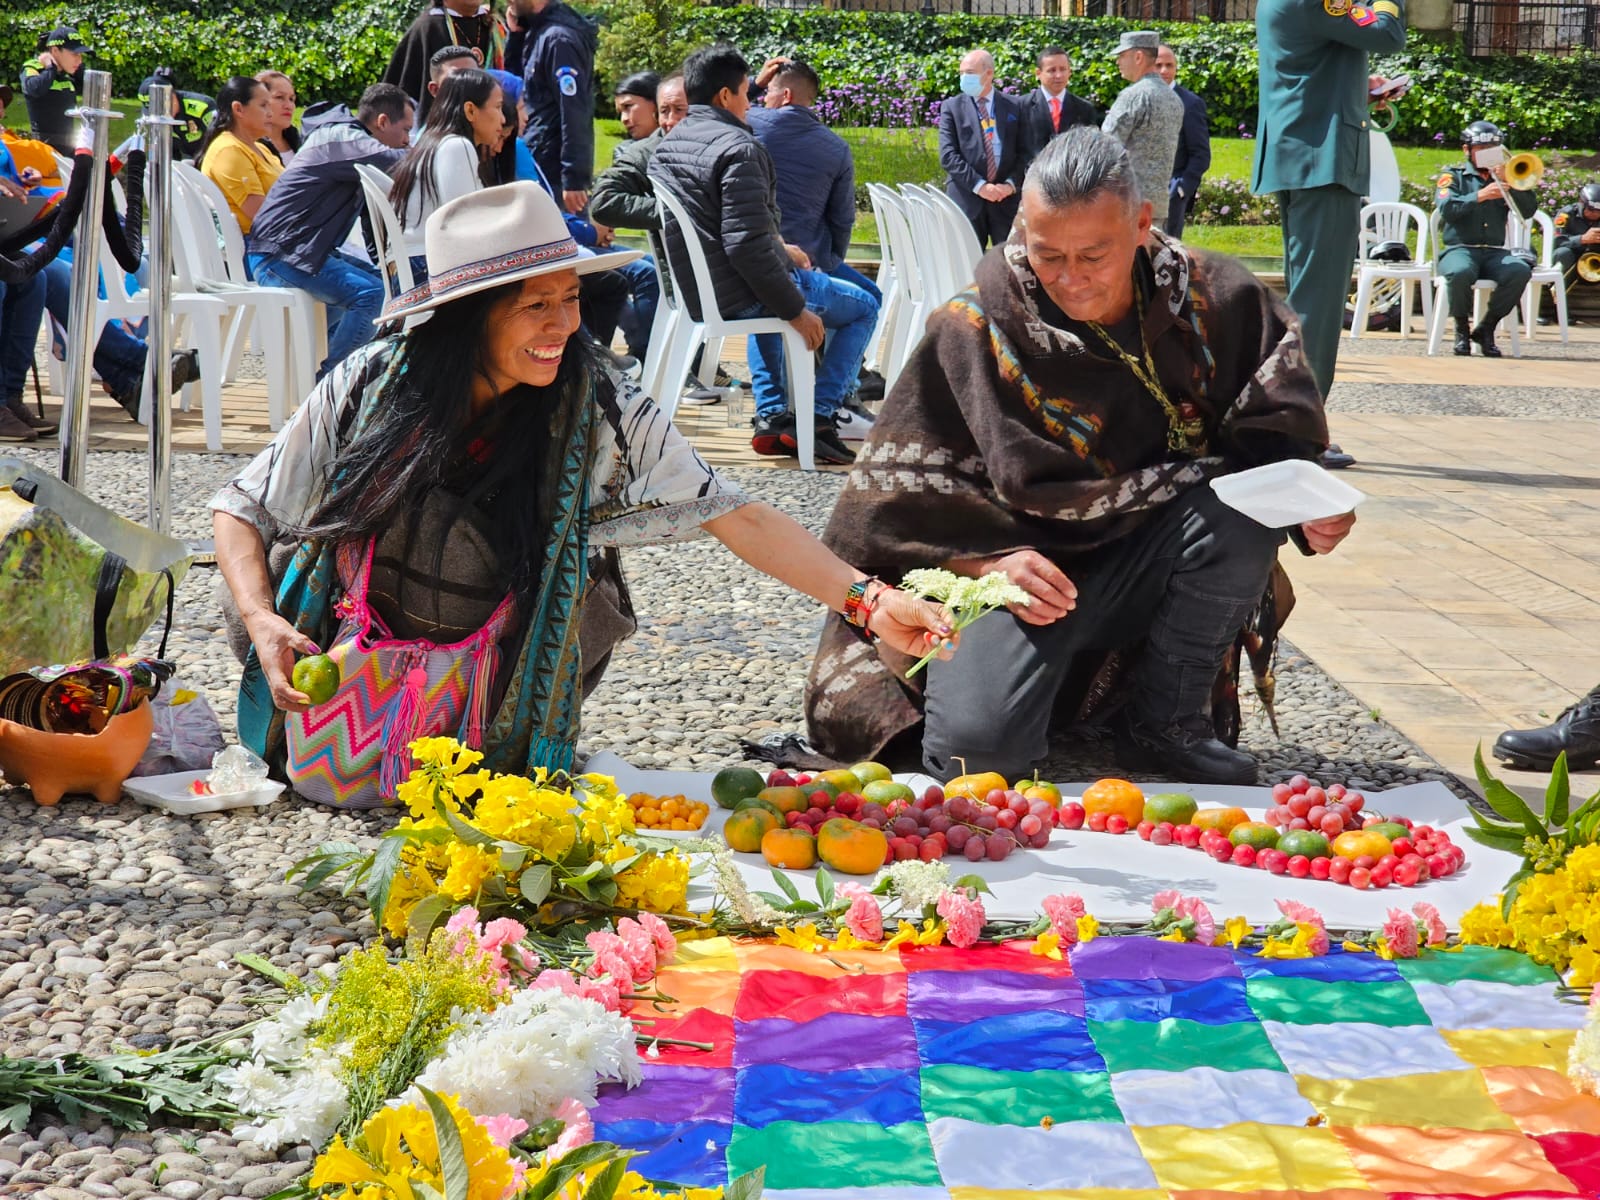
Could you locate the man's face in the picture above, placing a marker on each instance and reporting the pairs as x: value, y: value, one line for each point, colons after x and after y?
x: 1589, y: 214
x: 1167, y: 64
x: 449, y: 68
x: 1083, y: 254
x: 395, y: 134
x: 671, y: 104
x: 638, y: 116
x: 1054, y: 73
x: 735, y: 101
x: 983, y: 68
x: 1133, y: 65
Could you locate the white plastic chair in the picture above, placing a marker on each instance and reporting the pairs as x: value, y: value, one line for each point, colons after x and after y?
x: 1383, y: 182
x: 895, y: 229
x: 663, y: 332
x: 712, y: 327
x: 394, y: 264
x: 962, y: 238
x: 1441, y: 300
x: 1546, y: 274
x: 1394, y: 222
x: 891, y: 282
x: 931, y: 244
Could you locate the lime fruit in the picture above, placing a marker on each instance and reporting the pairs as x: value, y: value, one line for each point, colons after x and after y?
x: 1170, y: 806
x: 1254, y: 833
x: 733, y: 784
x: 867, y: 772
x: 1392, y: 830
x: 317, y: 677
x: 1304, y: 841
x: 842, y: 781
x: 882, y: 791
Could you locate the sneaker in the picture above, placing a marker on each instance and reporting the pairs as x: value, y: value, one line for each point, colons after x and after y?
x: 852, y: 423
x: 773, y: 436
x: 627, y: 364
x: 870, y: 385
x: 17, y: 408
x: 699, y: 397
x: 14, y: 429
x: 830, y: 448
x: 185, y: 368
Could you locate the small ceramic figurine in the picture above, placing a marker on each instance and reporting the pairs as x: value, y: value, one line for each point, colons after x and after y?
x: 53, y: 765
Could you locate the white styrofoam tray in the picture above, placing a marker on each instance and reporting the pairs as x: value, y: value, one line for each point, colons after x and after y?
x: 1281, y: 495
x: 171, y: 792
x: 1118, y: 877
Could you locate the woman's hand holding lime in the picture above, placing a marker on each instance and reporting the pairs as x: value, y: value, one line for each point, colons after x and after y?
x: 277, y: 643
x: 317, y: 678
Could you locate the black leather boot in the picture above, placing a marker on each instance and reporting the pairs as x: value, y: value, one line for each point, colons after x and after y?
x: 1185, y: 751
x: 1484, y: 336
x: 1576, y: 731
x: 1463, y: 339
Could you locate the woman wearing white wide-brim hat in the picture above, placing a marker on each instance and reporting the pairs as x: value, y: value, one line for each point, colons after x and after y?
x: 493, y: 450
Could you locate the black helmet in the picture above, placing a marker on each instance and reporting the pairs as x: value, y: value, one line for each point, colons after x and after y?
x: 1390, y: 252
x: 1482, y: 133
x: 1590, y: 195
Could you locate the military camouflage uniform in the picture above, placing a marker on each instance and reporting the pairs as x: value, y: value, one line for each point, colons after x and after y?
x: 1147, y: 118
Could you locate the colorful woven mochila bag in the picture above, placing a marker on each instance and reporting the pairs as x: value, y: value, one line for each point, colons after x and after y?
x: 354, y: 750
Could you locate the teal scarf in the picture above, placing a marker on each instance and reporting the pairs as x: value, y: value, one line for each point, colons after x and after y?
x: 536, y: 724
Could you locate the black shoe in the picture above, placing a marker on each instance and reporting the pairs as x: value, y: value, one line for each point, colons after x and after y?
x: 773, y: 437
x: 19, y: 409
x: 870, y: 386
x: 1463, y: 345
x: 829, y: 446
x: 1484, y: 336
x: 1186, y: 751
x: 1576, y: 731
x: 185, y: 369
x: 1335, y: 459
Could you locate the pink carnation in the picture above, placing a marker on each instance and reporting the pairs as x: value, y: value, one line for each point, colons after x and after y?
x: 1296, y: 911
x: 1401, y: 931
x: 963, y: 918
x: 1429, y: 916
x: 865, y: 918
x: 1064, y: 912
x: 604, y: 992
x: 503, y: 1129
x: 502, y: 932
x: 562, y: 981
x: 638, y: 947
x: 1166, y: 899
x: 579, y: 1130
x: 1317, y: 943
x: 666, y: 944
x: 1205, y: 926
x: 465, y: 920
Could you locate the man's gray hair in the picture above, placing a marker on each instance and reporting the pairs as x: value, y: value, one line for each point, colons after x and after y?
x: 1080, y: 165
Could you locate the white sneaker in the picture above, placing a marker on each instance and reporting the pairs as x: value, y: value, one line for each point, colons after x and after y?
x: 852, y: 425
x: 699, y: 397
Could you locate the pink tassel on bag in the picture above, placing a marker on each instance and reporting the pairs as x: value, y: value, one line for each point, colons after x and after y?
x: 485, y: 662
x: 402, y: 726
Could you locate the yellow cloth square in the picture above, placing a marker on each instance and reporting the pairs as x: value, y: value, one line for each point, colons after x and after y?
x: 1512, y: 1047
x: 1541, y: 1100
x: 1247, y: 1158
x: 714, y: 991
x: 1462, y: 1162
x: 1455, y: 1099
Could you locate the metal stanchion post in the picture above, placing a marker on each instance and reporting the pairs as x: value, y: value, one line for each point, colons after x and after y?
x: 94, y: 112
x: 157, y: 125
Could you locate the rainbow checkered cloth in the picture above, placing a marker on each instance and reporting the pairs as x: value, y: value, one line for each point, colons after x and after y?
x: 1146, y: 1071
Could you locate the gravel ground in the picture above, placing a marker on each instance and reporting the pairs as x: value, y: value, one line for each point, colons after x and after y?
x: 117, y: 923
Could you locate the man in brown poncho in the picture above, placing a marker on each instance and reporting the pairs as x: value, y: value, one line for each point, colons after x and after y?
x: 1058, y: 424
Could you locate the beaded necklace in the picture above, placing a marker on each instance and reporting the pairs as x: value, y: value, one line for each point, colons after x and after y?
x: 1185, y: 435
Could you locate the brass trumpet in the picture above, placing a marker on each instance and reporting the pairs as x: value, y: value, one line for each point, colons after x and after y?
x: 1523, y: 171
x: 1588, y: 266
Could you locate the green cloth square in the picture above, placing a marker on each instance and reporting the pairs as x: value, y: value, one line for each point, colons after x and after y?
x: 1320, y: 1002
x: 1017, y: 1097
x: 1177, y: 1045
x: 848, y: 1155
x: 1475, y: 962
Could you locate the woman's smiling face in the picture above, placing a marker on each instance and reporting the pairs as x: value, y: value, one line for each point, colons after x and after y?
x: 528, y: 332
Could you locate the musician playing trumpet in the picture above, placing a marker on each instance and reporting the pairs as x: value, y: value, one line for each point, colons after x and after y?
x: 1577, y: 248
x: 1474, y: 202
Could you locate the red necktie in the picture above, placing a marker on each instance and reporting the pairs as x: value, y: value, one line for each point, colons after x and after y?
x: 1055, y: 112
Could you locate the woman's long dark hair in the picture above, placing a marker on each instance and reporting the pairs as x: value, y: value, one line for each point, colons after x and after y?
x: 240, y: 89
x: 502, y: 167
x: 447, y: 118
x: 418, y: 442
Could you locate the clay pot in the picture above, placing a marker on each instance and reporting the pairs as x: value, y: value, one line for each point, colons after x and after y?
x: 54, y: 765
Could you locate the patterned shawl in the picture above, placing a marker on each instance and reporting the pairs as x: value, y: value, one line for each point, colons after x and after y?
x: 1005, y: 431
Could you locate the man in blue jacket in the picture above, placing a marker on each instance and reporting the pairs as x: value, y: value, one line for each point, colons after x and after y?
x: 1194, y: 145
x: 558, y: 90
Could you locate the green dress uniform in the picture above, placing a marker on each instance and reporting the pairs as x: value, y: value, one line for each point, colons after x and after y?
x: 1312, y: 148
x: 1472, y: 234
x: 1571, y: 225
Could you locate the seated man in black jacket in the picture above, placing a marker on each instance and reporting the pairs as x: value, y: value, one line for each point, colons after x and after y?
x: 727, y: 184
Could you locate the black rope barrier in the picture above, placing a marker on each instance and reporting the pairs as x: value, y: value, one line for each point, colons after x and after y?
x: 63, y: 220
x: 125, y: 237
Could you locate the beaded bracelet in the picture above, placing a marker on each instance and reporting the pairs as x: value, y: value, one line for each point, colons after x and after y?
x: 857, y: 610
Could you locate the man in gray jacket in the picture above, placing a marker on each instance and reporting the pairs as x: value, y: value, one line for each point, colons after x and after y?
x: 1146, y: 118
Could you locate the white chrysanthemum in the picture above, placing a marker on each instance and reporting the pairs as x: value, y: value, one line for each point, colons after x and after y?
x: 987, y: 592
x: 282, y: 1039
x: 304, y: 1105
x: 917, y: 884
x: 932, y: 582
x: 750, y: 909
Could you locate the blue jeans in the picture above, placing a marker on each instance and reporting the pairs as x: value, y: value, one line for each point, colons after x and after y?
x: 352, y: 290
x: 639, y: 313
x: 848, y: 313
x: 118, y: 356
x: 849, y: 274
x: 21, y: 309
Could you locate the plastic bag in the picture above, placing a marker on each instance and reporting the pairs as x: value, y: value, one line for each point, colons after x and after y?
x: 187, y: 733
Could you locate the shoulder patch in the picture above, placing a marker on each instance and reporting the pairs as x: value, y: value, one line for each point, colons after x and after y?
x: 1336, y: 8
x: 1362, y: 15
x: 1561, y: 220
x: 1446, y: 179
x: 567, y: 80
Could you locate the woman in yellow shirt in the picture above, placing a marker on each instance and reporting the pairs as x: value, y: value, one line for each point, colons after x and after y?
x: 230, y: 157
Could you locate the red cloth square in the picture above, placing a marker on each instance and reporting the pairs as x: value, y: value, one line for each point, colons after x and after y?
x: 1575, y: 1155
x: 795, y: 996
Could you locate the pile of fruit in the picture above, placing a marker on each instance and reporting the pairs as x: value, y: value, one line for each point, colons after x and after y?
x: 859, y: 820
x: 667, y: 812
x: 1309, y: 832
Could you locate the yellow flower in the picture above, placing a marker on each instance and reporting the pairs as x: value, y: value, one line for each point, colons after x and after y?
x: 1585, y: 967
x: 1172, y: 935
x: 1298, y: 946
x: 1482, y: 925
x: 1355, y: 947
x: 1380, y: 947
x: 470, y: 867
x: 801, y: 937
x: 411, y: 883
x: 1235, y: 932
x: 931, y: 934
x: 658, y: 882
x: 845, y: 940
x: 1088, y: 928
x: 1047, y: 945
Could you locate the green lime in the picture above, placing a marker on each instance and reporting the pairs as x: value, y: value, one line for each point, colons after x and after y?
x: 1170, y: 806
x: 733, y: 784
x: 1254, y: 833
x: 317, y: 677
x: 1304, y: 841
x: 1392, y: 830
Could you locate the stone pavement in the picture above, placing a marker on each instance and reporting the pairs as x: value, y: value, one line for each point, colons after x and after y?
x: 1463, y: 604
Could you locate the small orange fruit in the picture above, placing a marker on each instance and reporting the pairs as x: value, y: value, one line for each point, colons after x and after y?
x: 792, y: 848
x: 1114, y: 798
x: 1221, y: 819
x: 785, y: 799
x: 976, y: 786
x: 850, y: 847
x: 1354, y: 843
x: 747, y: 826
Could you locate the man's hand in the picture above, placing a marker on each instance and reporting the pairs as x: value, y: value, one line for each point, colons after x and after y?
x: 575, y: 202
x: 604, y: 235
x: 1591, y: 237
x: 1493, y: 191
x: 7, y: 188
x: 769, y: 69
x: 1053, y: 594
x: 797, y: 256
x: 30, y: 176
x: 993, y: 192
x: 1324, y: 535
x: 810, y: 327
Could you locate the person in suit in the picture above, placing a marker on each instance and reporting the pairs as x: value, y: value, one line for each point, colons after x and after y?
x: 980, y: 149
x: 1050, y: 109
x: 1194, y: 145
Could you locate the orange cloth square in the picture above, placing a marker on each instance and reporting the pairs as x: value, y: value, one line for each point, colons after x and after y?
x: 769, y: 956
x: 1482, y: 1162
x: 1247, y: 1158
x: 1332, y: 1194
x: 1541, y: 1100
x: 714, y: 991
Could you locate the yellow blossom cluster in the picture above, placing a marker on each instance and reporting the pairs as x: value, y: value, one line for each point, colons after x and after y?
x: 396, y: 1154
x: 1555, y: 919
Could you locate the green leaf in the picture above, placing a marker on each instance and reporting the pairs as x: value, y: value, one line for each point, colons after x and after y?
x: 825, y: 887
x: 975, y: 882
x: 747, y: 1187
x: 262, y: 967
x: 1558, y: 794
x: 781, y: 903
x: 1495, y: 823
x: 622, y: 864
x: 534, y: 883
x: 1503, y: 800
x: 423, y: 919
x: 381, y: 878
x: 604, y: 1185
x: 1513, y: 886
x: 473, y: 837
x: 605, y: 892
x: 786, y: 885
x: 1496, y: 839
x: 15, y: 1118
x: 452, y: 1158
x: 512, y: 856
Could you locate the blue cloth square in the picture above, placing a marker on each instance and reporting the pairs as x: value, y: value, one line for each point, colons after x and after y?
x: 694, y: 1153
x: 1211, y: 1001
x: 880, y: 1096
x: 1337, y: 966
x: 1025, y: 1041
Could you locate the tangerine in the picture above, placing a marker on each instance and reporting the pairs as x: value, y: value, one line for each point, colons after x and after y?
x: 976, y: 786
x: 792, y: 848
x: 317, y: 677
x: 842, y: 781
x: 785, y: 799
x: 1221, y: 819
x: 867, y: 772
x: 1356, y: 842
x: 850, y: 847
x: 1114, y: 798
x: 1258, y: 835
x: 733, y: 784
x: 747, y: 826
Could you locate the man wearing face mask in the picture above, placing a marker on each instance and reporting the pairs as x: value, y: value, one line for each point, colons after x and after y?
x: 1473, y: 209
x: 980, y: 149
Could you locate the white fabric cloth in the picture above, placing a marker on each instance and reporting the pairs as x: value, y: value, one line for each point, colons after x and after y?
x: 455, y: 173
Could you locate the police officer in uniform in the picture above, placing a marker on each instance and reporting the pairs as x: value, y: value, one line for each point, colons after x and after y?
x: 1472, y: 203
x: 51, y: 84
x: 1312, y: 149
x: 1577, y: 232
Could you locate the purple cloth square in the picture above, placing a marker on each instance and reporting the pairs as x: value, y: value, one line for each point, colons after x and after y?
x: 1146, y: 958
x: 836, y: 1042
x: 687, y: 1093
x: 968, y: 995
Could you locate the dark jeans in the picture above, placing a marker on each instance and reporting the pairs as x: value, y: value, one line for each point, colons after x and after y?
x: 639, y: 312
x: 1177, y: 214
x: 118, y: 355
x: 352, y: 290
x: 21, y: 309
x: 1185, y: 581
x: 993, y: 222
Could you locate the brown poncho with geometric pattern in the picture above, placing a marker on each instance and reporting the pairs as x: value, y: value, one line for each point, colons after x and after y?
x: 1006, y: 431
